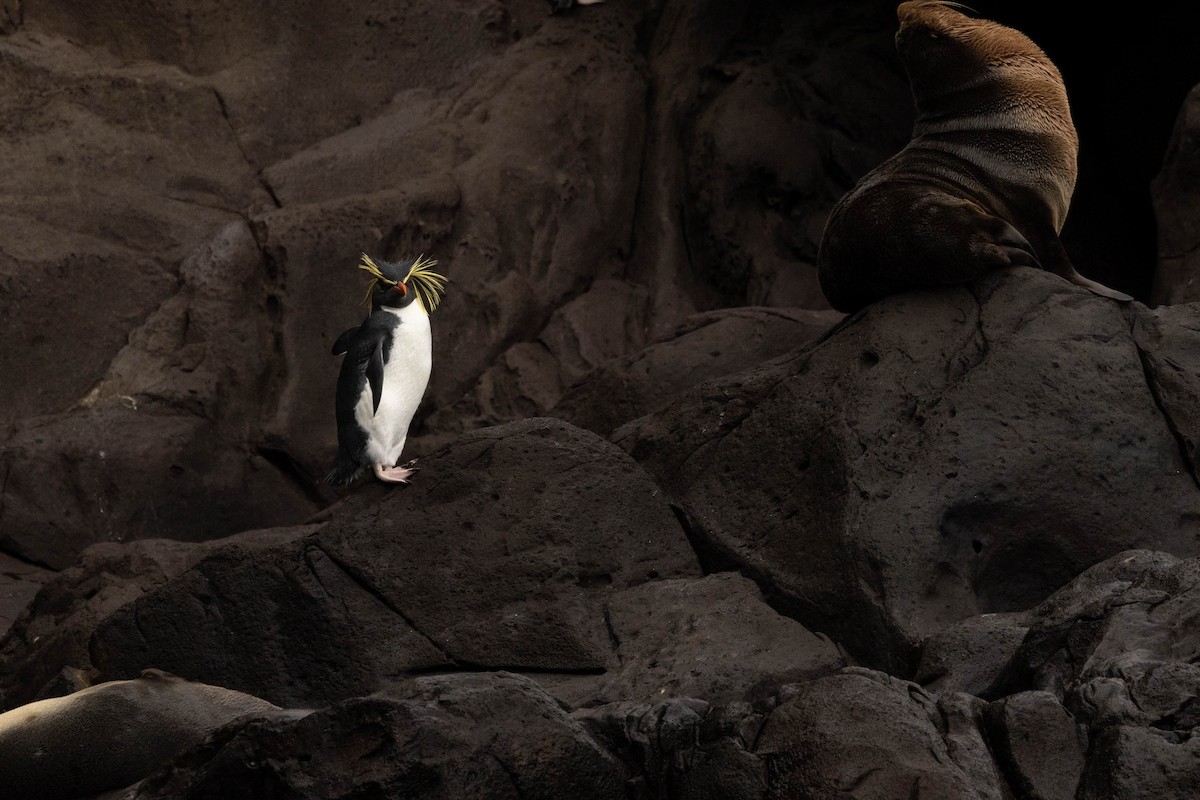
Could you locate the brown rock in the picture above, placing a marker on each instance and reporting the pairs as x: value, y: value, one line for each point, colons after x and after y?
x: 1142, y: 764
x: 931, y: 460
x: 970, y: 655
x: 501, y: 555
x: 102, y: 203
x: 713, y: 639
x: 118, y: 471
x: 54, y: 632
x: 19, y: 583
x: 873, y: 736
x: 703, y: 347
x: 1177, y: 279
x: 1039, y: 745
x: 829, y: 101
x: 451, y: 737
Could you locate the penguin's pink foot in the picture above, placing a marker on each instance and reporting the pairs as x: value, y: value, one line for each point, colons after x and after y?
x: 393, y: 474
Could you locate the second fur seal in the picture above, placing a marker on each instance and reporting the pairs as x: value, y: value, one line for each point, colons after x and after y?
x: 985, y: 181
x: 114, y: 734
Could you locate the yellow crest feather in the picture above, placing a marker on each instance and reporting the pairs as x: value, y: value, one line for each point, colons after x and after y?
x: 428, y: 284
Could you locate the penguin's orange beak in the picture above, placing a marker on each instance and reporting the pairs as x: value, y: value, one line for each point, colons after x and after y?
x: 400, y: 289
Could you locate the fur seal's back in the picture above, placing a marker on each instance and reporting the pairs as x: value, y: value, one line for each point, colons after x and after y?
x: 984, y: 183
x: 111, y: 735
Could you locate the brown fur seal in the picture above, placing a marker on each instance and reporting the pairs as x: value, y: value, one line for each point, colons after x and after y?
x: 984, y: 183
x: 111, y: 735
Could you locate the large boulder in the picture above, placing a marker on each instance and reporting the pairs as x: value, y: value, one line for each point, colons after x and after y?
x: 1116, y: 643
x: 47, y: 646
x: 941, y: 455
x: 19, y: 584
x: 1117, y: 646
x: 970, y: 655
x: 878, y: 738
x: 714, y: 639
x: 1098, y: 702
x: 102, y: 203
x: 503, y: 554
x: 704, y: 346
x: 1040, y: 746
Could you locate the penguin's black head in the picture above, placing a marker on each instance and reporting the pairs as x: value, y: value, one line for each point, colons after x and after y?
x: 398, y: 284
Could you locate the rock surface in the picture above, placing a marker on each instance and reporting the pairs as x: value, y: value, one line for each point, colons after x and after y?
x: 628, y: 199
x: 942, y: 455
x: 502, y: 555
x: 704, y: 347
x: 1177, y: 279
x: 457, y: 736
x: 1038, y: 744
x: 542, y: 159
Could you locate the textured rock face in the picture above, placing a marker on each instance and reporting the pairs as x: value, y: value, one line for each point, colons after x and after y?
x: 195, y: 184
x: 53, y: 634
x: 1118, y: 641
x: 713, y: 638
x: 942, y: 455
x: 501, y: 556
x: 704, y: 347
x: 508, y: 553
x: 933, y: 487
x: 970, y: 655
x: 19, y: 583
x: 459, y: 736
x: 1177, y: 279
x: 1040, y: 746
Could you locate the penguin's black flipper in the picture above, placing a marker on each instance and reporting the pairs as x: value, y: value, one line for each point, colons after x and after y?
x: 375, y: 374
x: 343, y: 342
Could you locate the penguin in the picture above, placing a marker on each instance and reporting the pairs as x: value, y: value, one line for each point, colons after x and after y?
x: 386, y: 368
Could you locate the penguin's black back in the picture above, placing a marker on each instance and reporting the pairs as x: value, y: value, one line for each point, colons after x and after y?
x: 360, y: 345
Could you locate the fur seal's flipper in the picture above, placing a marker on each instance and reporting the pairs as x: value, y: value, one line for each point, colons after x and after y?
x: 1011, y: 246
x: 375, y: 375
x: 1095, y: 287
x: 1061, y: 264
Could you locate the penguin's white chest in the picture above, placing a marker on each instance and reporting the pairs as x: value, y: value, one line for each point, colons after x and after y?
x: 405, y: 376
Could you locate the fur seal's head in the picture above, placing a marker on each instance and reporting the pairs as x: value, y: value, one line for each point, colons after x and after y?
x: 945, y: 52
x: 988, y: 94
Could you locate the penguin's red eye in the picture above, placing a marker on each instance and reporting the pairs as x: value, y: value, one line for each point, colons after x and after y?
x: 400, y: 289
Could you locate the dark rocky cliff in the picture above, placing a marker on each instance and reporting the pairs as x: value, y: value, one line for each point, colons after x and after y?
x: 680, y: 531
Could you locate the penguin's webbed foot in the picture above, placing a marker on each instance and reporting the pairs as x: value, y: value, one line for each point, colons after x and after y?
x: 394, y: 474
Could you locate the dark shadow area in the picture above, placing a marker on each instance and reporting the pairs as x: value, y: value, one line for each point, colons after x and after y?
x: 1126, y: 76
